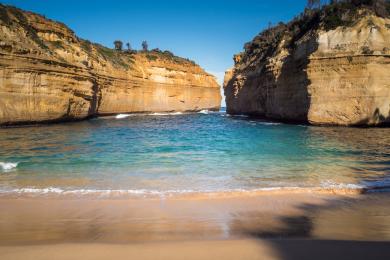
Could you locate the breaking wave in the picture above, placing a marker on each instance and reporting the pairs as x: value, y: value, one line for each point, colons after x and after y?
x: 166, y: 114
x: 336, y: 189
x: 6, y: 166
x: 121, y: 116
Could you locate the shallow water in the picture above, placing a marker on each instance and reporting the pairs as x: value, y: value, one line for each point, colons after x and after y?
x: 175, y: 153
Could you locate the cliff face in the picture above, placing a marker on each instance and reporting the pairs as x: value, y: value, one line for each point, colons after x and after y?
x: 332, y: 76
x: 48, y: 74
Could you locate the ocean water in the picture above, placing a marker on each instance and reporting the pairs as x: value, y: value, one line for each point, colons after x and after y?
x: 165, y: 153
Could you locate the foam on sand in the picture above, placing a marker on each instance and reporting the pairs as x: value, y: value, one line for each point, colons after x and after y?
x: 338, y: 189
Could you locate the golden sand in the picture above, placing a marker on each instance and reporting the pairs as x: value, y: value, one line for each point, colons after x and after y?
x: 281, y: 249
x: 264, y: 226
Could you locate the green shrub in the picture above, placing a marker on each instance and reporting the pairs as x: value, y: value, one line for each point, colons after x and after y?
x: 58, y: 45
x: 151, y: 57
x: 366, y: 50
x: 31, y: 32
x: 111, y: 55
x: 86, y: 46
x: 4, y: 15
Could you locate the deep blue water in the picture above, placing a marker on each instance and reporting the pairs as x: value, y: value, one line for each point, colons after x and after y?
x: 190, y: 152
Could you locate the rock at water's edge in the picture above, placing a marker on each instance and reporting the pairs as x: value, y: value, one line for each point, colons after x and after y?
x: 329, y: 77
x: 48, y: 74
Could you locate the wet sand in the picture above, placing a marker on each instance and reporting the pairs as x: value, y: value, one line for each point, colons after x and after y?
x: 265, y: 226
x: 281, y: 249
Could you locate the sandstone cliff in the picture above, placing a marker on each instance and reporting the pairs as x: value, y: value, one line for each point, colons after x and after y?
x: 48, y: 74
x: 330, y: 67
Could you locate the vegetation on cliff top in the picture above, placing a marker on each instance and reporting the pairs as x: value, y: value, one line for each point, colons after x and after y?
x: 326, y: 15
x: 10, y: 15
x: 151, y: 55
x: 14, y: 17
x: 156, y: 54
x: 125, y: 58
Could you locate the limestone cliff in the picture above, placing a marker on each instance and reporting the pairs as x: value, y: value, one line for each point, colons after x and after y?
x: 329, y: 67
x: 49, y: 74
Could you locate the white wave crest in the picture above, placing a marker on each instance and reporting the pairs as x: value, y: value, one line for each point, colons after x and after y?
x: 95, y: 192
x: 334, y: 188
x: 39, y: 191
x: 121, y: 116
x: 334, y: 185
x: 245, y: 116
x: 6, y: 166
x: 270, y: 123
x: 205, y: 111
x: 166, y: 114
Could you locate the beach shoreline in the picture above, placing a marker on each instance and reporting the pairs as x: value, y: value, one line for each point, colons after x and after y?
x: 63, y: 219
x: 262, y: 226
x: 53, y: 192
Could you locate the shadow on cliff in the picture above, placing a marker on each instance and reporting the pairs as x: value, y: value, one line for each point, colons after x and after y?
x: 347, y: 228
x: 96, y: 99
x: 288, y: 97
x: 270, y: 92
x: 378, y: 119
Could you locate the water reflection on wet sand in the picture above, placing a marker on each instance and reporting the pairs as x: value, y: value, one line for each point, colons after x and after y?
x: 318, y: 216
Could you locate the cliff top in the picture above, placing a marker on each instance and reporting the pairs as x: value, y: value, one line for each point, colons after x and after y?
x: 33, y: 35
x: 346, y: 13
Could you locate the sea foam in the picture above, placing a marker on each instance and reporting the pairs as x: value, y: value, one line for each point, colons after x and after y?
x: 104, y: 193
x: 270, y: 123
x: 166, y: 114
x: 121, y: 116
x: 205, y: 111
x: 6, y: 166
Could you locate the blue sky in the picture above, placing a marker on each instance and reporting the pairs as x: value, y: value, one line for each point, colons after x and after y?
x: 208, y: 32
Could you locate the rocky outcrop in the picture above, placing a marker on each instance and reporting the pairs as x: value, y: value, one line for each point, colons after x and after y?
x: 309, y: 71
x: 48, y: 74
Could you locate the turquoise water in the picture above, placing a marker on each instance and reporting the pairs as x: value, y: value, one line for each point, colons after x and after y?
x: 200, y: 152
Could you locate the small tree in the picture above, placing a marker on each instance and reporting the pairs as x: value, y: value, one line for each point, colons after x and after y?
x: 128, y: 46
x: 380, y: 7
x: 312, y: 4
x: 118, y: 45
x: 145, y: 46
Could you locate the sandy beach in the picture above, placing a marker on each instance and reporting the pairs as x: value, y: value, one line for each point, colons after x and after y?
x: 281, y: 249
x: 264, y: 226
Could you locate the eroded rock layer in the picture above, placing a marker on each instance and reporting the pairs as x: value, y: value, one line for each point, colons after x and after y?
x: 337, y: 76
x: 48, y: 74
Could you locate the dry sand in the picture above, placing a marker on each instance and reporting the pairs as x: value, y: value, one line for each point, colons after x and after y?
x: 265, y: 226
